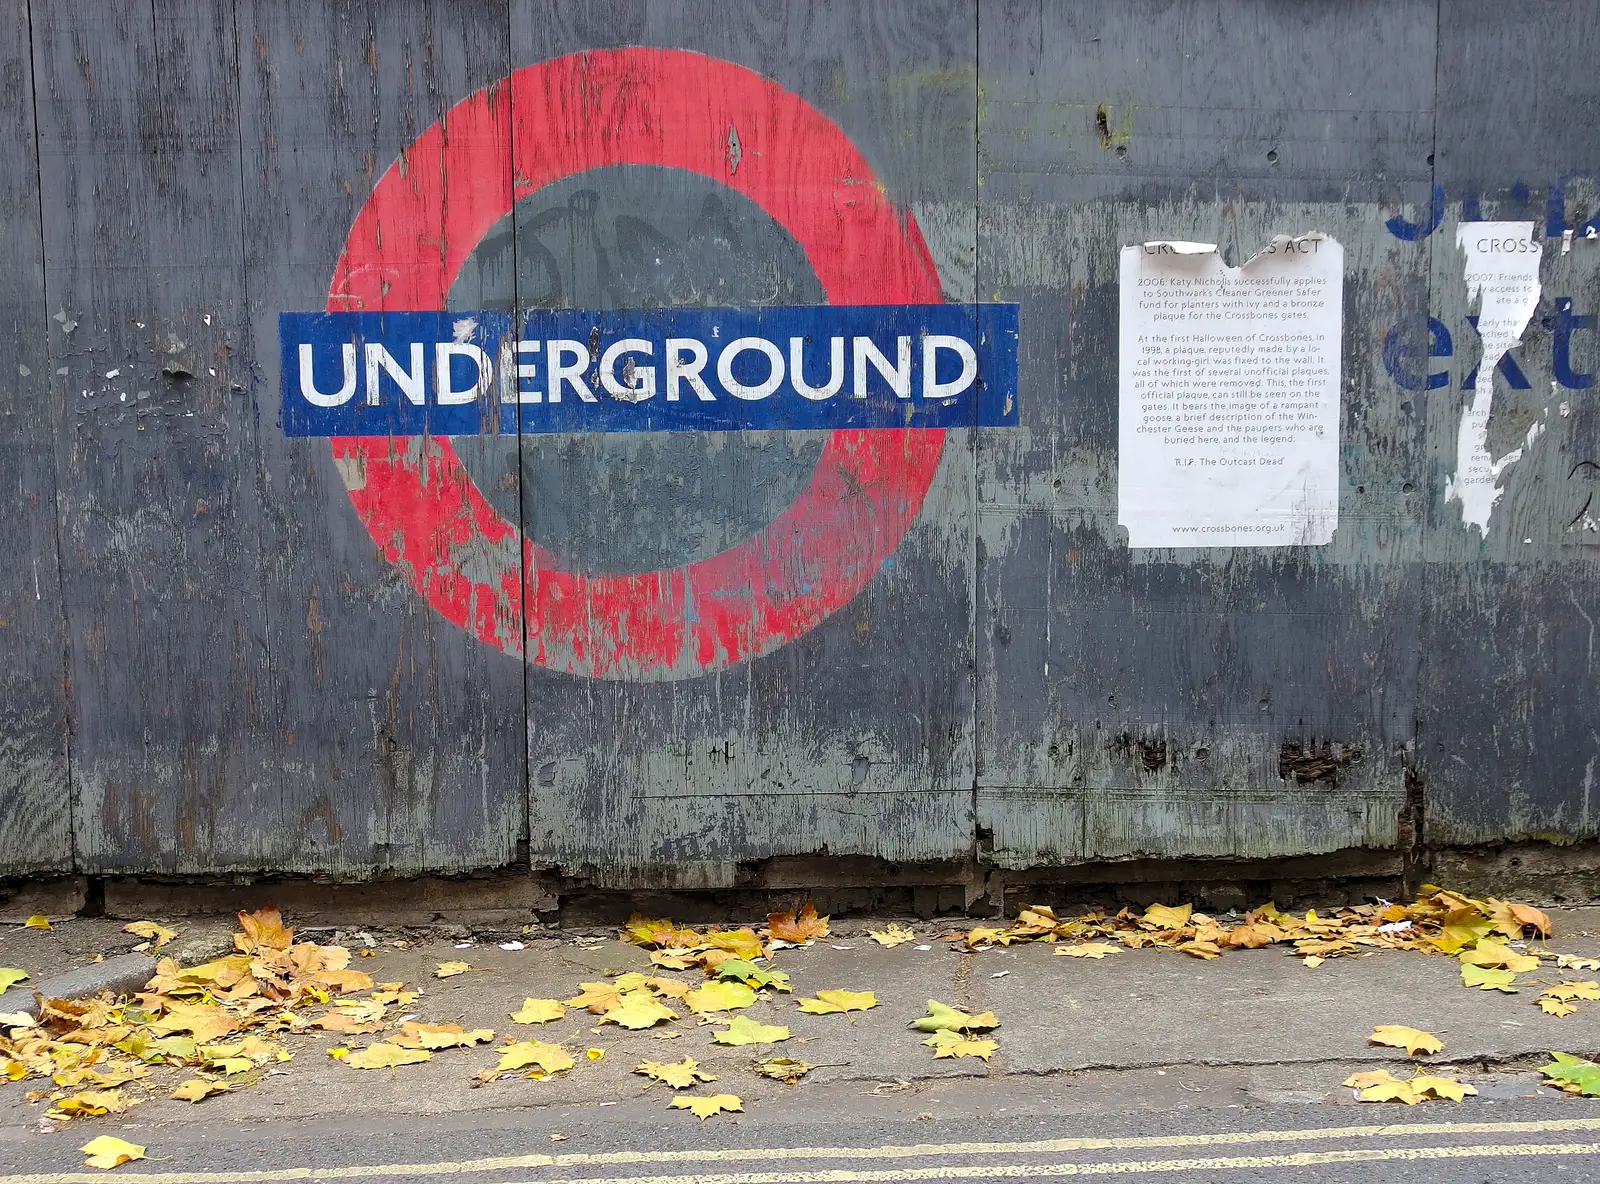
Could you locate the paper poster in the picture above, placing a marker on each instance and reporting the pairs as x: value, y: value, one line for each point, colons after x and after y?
x: 1502, y: 274
x: 1229, y: 394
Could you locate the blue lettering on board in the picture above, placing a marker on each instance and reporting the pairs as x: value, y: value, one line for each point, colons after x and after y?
x: 678, y: 370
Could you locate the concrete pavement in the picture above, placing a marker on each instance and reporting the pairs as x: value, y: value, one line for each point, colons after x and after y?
x: 1141, y: 1041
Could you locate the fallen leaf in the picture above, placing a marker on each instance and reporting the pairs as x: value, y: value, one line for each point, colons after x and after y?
x: 1383, y: 1086
x: 742, y: 1029
x: 1410, y: 1039
x: 263, y: 930
x: 386, y: 1056
x: 37, y: 922
x: 416, y: 1035
x: 157, y: 935
x: 802, y: 927
x: 1487, y: 979
x: 597, y: 998
x: 198, y: 1089
x: 91, y: 1103
x: 1313, y: 961
x: 741, y: 943
x: 894, y: 935
x: 719, y: 996
x: 450, y: 969
x: 1088, y: 949
x: 838, y: 1002
x: 1567, y: 991
x: 595, y: 1054
x: 704, y: 1107
x: 677, y: 1074
x: 643, y: 931
x: 538, y: 1011
x: 1554, y: 1006
x: 105, y: 1152
x: 205, y: 1023
x: 1531, y: 918
x: 1572, y: 962
x: 1160, y: 916
x: 671, y: 988
x: 942, y: 1017
x: 748, y: 973
x: 1573, y: 1074
x: 783, y: 1068
x: 1444, y: 1089
x: 551, y: 1058
x: 951, y: 1045
x: 1494, y: 953
x: 10, y: 978
x: 636, y: 1010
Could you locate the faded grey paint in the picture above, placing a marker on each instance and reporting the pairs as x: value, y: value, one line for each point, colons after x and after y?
x: 249, y: 686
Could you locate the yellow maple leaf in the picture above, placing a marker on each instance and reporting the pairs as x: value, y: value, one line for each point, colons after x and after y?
x: 106, y: 1152
x: 450, y: 969
x: 549, y: 1058
x: 719, y: 996
x: 386, y: 1056
x: 943, y: 1017
x: 538, y: 1011
x: 1445, y: 1089
x: 677, y: 1074
x: 636, y: 1010
x: 895, y: 935
x: 1088, y: 949
x: 740, y: 943
x: 198, y: 1089
x: 90, y: 1103
x: 644, y: 931
x: 37, y: 921
x: 418, y: 1035
x: 598, y: 998
x: 667, y: 988
x: 204, y: 1022
x: 156, y: 935
x: 1313, y: 961
x: 788, y: 1069
x: 797, y: 927
x: 1554, y: 1006
x: 1160, y: 916
x: 742, y: 1029
x: 836, y: 1002
x: 1379, y: 1085
x: 704, y: 1107
x: 263, y: 930
x: 632, y: 981
x: 1568, y: 991
x: 1494, y: 953
x: 1488, y: 979
x: 1410, y: 1039
x: 1200, y: 949
x: 963, y: 1047
x: 10, y: 978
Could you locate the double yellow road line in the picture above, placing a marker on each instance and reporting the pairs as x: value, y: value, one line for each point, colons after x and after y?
x: 764, y: 1165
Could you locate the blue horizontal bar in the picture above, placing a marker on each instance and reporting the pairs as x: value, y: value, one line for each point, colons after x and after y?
x: 650, y: 370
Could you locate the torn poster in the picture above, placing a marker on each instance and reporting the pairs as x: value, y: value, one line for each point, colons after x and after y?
x: 1502, y: 268
x: 1228, y: 393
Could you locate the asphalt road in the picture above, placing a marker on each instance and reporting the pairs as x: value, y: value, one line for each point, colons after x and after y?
x: 827, y: 1139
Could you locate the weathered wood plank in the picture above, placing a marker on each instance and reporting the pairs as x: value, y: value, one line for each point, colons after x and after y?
x: 161, y: 569
x: 856, y: 738
x: 1150, y: 702
x: 35, y: 797
x: 400, y: 737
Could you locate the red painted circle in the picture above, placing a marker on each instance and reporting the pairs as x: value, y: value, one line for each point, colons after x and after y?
x: 454, y: 182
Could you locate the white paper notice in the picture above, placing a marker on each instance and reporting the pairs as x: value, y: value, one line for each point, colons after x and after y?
x: 1229, y: 395
x: 1502, y: 269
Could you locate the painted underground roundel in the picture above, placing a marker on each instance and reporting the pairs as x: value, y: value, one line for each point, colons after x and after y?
x: 671, y: 248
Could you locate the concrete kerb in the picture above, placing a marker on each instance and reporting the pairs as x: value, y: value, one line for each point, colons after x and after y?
x: 122, y: 973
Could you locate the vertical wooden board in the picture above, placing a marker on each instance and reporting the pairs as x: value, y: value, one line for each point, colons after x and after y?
x: 401, y: 737
x: 1509, y: 740
x: 155, y: 441
x: 1150, y: 702
x: 35, y: 797
x: 857, y: 737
